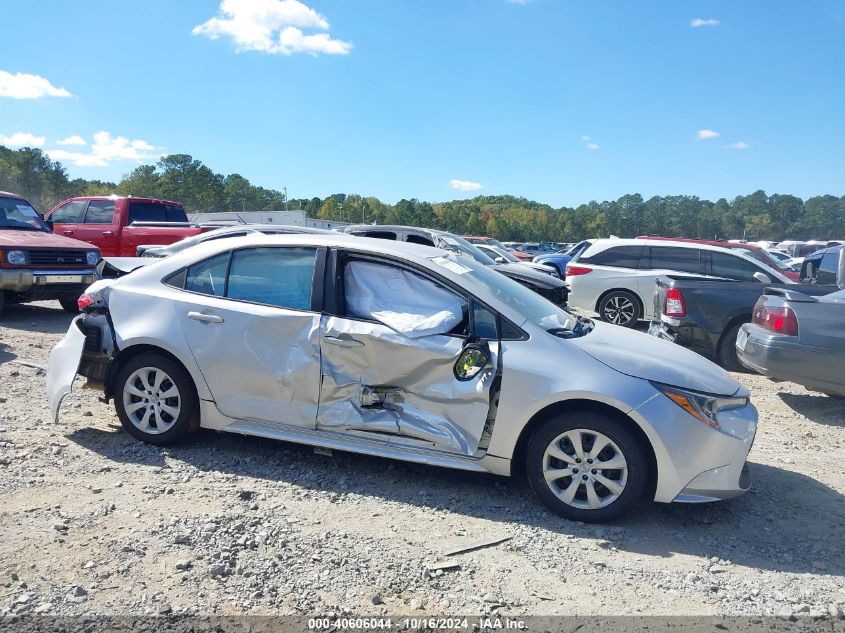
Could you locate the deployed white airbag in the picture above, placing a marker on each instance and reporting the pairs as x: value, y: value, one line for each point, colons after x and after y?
x: 401, y: 300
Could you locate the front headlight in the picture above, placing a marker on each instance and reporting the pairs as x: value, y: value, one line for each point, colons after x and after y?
x: 17, y: 258
x: 702, y: 406
x: 92, y: 257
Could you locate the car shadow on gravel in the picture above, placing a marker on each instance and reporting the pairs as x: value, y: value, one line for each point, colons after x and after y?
x: 818, y: 408
x: 47, y: 317
x: 788, y: 522
x: 5, y: 354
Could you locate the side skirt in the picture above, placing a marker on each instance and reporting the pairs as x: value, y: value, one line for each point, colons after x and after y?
x: 213, y: 419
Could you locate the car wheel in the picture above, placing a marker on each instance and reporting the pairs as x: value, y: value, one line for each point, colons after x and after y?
x: 155, y: 399
x: 69, y: 305
x: 620, y: 308
x: 586, y: 466
x: 726, y: 355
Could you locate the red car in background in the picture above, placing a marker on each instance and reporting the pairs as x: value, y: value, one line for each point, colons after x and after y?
x: 756, y: 252
x: 119, y: 225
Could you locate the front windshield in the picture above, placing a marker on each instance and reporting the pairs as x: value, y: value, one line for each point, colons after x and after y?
x: 18, y: 214
x: 771, y: 261
x: 483, y: 282
x: 461, y: 246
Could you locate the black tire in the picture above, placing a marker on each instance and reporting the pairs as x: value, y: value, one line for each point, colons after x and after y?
x: 726, y: 354
x: 633, y: 482
x: 620, y: 307
x: 173, y: 428
x: 69, y: 305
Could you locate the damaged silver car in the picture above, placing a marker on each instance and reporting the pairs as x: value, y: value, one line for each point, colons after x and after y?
x: 410, y: 352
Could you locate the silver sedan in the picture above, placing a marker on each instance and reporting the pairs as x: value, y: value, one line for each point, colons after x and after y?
x: 409, y: 352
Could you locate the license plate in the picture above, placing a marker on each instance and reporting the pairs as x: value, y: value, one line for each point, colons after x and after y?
x: 62, y: 279
x: 742, y: 340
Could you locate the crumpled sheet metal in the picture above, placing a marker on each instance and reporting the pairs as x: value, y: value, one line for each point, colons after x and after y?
x: 260, y: 365
x: 435, y: 406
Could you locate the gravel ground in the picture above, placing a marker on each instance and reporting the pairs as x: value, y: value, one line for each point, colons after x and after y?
x: 93, y: 521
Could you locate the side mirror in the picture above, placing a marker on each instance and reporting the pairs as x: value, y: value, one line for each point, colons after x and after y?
x: 49, y: 224
x: 763, y: 278
x: 500, y: 260
x: 473, y: 358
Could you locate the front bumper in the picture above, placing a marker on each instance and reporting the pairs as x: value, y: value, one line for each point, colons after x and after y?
x: 696, y: 462
x: 46, y: 284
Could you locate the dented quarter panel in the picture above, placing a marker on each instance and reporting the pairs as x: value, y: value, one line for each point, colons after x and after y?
x: 429, y: 403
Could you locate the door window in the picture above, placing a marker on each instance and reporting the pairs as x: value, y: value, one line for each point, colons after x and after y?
x: 100, y: 212
x: 69, y: 213
x: 685, y: 260
x: 402, y: 300
x: 733, y: 267
x: 616, y: 257
x: 147, y: 212
x: 281, y: 277
x: 828, y: 269
x: 208, y: 277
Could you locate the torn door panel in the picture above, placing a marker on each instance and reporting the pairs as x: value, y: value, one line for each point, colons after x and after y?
x: 413, y: 376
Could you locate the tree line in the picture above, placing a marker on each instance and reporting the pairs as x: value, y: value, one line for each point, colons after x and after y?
x: 757, y: 216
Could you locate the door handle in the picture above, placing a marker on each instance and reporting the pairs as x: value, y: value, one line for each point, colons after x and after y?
x: 108, y: 233
x: 205, y: 318
x: 67, y: 232
x: 343, y: 342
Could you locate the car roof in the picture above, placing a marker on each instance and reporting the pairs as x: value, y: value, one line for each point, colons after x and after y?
x: 115, y: 197
x: 691, y: 240
x: 9, y: 194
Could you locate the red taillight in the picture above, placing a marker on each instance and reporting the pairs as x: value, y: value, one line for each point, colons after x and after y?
x: 781, y: 320
x: 84, y: 301
x: 573, y: 270
x: 674, y: 305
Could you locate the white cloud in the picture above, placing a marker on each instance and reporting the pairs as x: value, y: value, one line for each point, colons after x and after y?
x: 586, y: 138
x: 24, y: 86
x: 106, y: 149
x: 592, y: 145
x: 737, y: 145
x: 699, y: 22
x: 704, y: 135
x: 72, y: 140
x: 22, y: 139
x: 518, y: 1
x: 464, y: 185
x: 272, y: 26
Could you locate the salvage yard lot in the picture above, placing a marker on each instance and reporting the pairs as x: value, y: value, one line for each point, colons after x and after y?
x: 92, y: 520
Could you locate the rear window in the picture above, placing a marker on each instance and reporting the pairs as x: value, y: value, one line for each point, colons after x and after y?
x: 155, y: 212
x: 828, y: 269
x: 616, y: 257
x: 379, y: 235
x: 685, y: 260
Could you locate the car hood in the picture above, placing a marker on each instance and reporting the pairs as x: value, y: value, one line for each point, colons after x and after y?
x: 521, y: 272
x: 542, y: 268
x: 637, y: 354
x: 39, y: 239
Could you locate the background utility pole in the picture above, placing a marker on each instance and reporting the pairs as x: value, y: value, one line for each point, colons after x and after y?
x: 363, y: 209
x: 286, y: 197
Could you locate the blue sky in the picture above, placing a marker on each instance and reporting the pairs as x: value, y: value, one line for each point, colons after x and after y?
x: 561, y: 101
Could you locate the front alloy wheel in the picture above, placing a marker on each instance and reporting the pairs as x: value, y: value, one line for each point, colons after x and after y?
x: 587, y: 466
x: 619, y: 308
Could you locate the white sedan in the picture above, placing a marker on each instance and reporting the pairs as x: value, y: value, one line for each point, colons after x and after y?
x: 406, y: 351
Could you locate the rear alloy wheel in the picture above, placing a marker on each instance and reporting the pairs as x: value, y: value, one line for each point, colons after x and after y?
x: 155, y: 399
x: 726, y: 354
x: 69, y: 305
x: 586, y: 466
x: 620, y: 308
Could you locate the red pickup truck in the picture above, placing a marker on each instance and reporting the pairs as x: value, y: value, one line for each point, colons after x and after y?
x: 119, y: 225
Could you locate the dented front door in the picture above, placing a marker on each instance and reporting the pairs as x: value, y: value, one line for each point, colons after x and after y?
x: 378, y: 381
